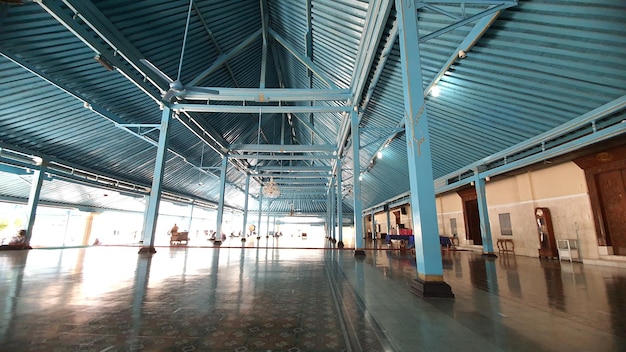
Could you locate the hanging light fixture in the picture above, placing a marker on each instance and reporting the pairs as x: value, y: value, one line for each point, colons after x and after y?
x: 271, y: 189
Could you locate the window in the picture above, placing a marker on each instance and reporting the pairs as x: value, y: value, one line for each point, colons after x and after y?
x: 453, y: 226
x: 505, y: 224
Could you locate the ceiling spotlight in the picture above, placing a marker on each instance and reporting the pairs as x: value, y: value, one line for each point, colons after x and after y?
x: 435, y: 91
x: 380, y: 155
x: 462, y: 54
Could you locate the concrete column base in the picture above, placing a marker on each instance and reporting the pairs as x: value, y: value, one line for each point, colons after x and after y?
x: 147, y: 250
x: 489, y: 255
x: 217, y: 243
x: 431, y: 289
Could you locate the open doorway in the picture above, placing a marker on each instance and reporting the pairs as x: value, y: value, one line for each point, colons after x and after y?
x: 471, y: 215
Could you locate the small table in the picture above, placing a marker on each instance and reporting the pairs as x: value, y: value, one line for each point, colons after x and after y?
x: 503, y: 245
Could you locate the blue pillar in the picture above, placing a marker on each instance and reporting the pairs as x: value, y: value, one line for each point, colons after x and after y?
x: 483, y: 214
x: 191, y: 208
x: 258, y: 228
x: 152, y: 210
x: 220, y: 205
x: 331, y: 194
x: 245, y: 207
x: 429, y: 281
x: 356, y: 190
x: 33, y: 201
x: 267, y: 223
x: 339, y: 207
x: 327, y: 223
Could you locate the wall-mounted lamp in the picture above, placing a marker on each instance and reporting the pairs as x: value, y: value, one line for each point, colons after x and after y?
x: 104, y: 62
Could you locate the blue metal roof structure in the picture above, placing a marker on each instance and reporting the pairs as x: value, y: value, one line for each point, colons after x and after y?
x: 270, y: 84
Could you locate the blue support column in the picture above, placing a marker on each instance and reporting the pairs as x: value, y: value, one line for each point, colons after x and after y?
x: 483, y: 214
x: 327, y: 222
x: 33, y: 201
x: 245, y: 208
x: 152, y: 208
x: 429, y: 282
x: 220, y: 205
x: 339, y: 207
x: 332, y: 212
x: 258, y: 228
x: 267, y: 222
x: 191, y: 208
x: 356, y: 190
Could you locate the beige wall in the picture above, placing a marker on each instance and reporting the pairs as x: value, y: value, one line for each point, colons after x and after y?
x: 561, y: 188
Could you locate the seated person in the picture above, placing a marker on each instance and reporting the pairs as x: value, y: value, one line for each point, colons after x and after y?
x: 174, y: 230
x: 18, y: 240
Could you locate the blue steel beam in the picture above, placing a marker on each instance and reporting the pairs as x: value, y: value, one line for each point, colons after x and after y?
x: 420, y: 3
x: 364, y: 64
x: 468, y: 42
x: 265, y: 95
x: 282, y: 157
x: 281, y: 148
x: 465, y: 21
x: 215, y: 43
x: 423, y: 208
x: 76, y: 28
x: 292, y: 169
x: 303, y: 59
x: 306, y: 123
x: 265, y: 17
x: 225, y: 57
x: 101, y: 25
x: 267, y: 109
x: 585, y: 120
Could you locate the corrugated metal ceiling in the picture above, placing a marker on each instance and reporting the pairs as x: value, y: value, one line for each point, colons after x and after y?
x: 539, y: 66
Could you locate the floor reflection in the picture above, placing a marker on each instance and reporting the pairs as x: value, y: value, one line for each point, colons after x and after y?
x: 259, y: 296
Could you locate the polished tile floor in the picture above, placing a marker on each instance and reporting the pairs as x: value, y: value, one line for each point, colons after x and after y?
x: 257, y: 296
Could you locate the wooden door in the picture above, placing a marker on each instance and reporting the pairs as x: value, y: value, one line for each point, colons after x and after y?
x: 611, y: 188
x: 606, y: 180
